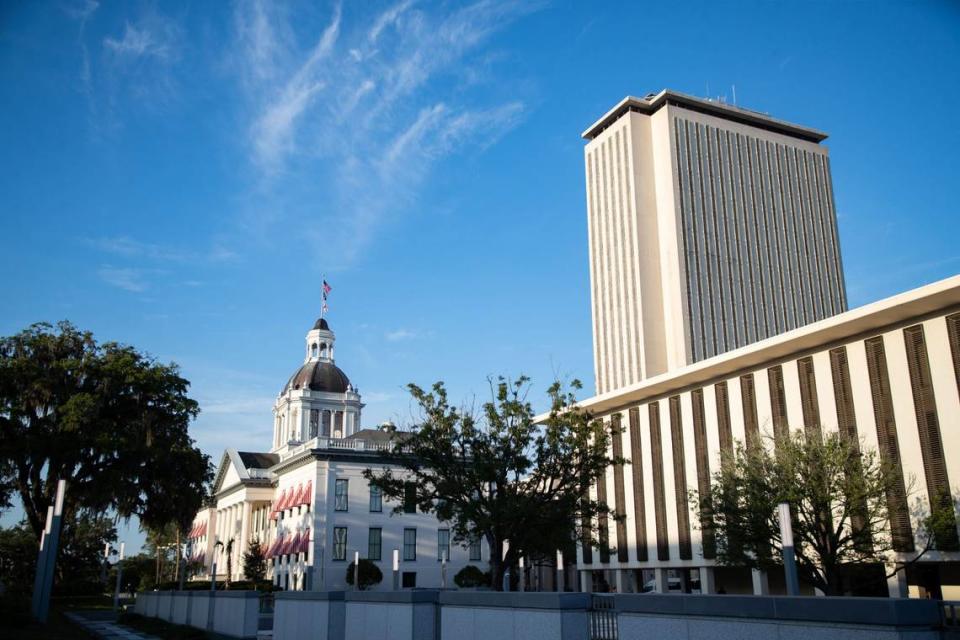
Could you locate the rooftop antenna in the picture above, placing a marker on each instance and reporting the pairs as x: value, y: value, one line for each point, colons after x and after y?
x: 708, y: 91
x: 734, y: 87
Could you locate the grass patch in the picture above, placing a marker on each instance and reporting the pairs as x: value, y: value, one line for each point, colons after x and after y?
x: 57, y: 628
x: 161, y: 628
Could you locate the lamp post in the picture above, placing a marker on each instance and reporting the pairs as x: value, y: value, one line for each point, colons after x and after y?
x: 560, y: 584
x: 356, y: 571
x: 116, y: 593
x: 396, y: 569
x: 443, y: 569
x: 523, y: 576
x: 789, y: 555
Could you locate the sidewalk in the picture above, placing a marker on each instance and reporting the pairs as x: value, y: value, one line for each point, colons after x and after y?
x: 100, y: 625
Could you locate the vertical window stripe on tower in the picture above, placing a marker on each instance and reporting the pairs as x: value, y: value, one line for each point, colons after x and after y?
x: 618, y: 489
x: 639, y: 501
x: 703, y: 472
x: 808, y: 395
x: 723, y: 422
x: 953, y: 334
x: 778, y: 403
x: 900, y: 527
x: 659, y: 492
x: 680, y: 479
x: 748, y: 397
x: 928, y: 428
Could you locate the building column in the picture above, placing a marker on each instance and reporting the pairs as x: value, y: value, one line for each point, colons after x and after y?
x: 621, y: 580
x: 897, y: 583
x: 761, y: 583
x: 245, y: 524
x: 661, y: 584
x: 586, y: 582
x: 708, y: 584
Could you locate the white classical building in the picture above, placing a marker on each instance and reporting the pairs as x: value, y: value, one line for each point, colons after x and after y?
x: 307, y: 502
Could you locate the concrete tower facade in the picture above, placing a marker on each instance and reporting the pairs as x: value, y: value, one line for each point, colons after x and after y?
x: 711, y: 227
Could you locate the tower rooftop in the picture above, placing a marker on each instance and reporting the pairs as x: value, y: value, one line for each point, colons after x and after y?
x: 655, y: 101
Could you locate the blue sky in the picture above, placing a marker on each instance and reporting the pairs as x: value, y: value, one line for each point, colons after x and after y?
x: 178, y: 176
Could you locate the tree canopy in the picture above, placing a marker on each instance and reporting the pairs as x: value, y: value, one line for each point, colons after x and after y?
x: 110, y: 420
x: 838, y: 496
x: 500, y: 476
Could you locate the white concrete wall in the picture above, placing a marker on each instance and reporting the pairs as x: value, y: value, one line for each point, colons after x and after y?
x: 318, y: 618
x: 234, y: 614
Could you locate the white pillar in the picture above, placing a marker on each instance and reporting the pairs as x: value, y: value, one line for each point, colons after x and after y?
x: 708, y: 584
x: 621, y: 580
x: 897, y: 583
x: 586, y: 582
x: 761, y: 583
x: 661, y: 582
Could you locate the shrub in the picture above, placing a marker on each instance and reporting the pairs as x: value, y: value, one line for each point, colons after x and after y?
x: 370, y: 574
x: 471, y: 577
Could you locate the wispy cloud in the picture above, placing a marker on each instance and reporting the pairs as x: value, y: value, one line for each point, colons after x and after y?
x: 154, y: 37
x: 399, y: 335
x: 131, y: 248
x: 366, y: 109
x: 126, y: 278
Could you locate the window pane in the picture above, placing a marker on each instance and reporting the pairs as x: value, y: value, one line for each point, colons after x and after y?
x: 376, y: 499
x: 340, y: 503
x: 373, y: 544
x: 409, y: 544
x: 475, y: 549
x: 443, y: 544
x: 339, y: 543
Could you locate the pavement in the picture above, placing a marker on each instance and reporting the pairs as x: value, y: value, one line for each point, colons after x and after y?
x: 105, y: 628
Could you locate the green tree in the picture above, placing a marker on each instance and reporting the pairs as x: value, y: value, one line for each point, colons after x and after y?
x: 254, y: 562
x: 838, y: 497
x: 79, y: 561
x: 500, y: 475
x: 471, y: 577
x: 228, y: 550
x: 110, y: 420
x: 370, y: 574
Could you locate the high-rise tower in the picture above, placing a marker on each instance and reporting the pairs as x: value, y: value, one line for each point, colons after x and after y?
x: 711, y: 227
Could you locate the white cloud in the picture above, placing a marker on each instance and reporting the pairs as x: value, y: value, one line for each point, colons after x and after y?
x: 131, y: 248
x: 124, y: 277
x: 400, y: 334
x: 154, y: 37
x: 345, y: 130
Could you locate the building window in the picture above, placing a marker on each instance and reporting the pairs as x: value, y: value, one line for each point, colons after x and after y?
x: 338, y: 424
x: 376, y: 499
x: 410, y: 497
x: 313, y: 350
x: 340, y: 495
x: 409, y: 580
x: 374, y: 543
x: 325, y: 424
x: 443, y: 544
x: 476, y: 553
x: 409, y: 544
x: 339, y: 543
x: 314, y: 422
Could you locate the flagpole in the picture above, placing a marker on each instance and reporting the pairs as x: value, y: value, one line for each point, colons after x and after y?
x: 323, y: 295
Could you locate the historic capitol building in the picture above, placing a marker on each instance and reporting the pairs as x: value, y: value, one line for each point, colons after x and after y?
x: 306, y: 501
